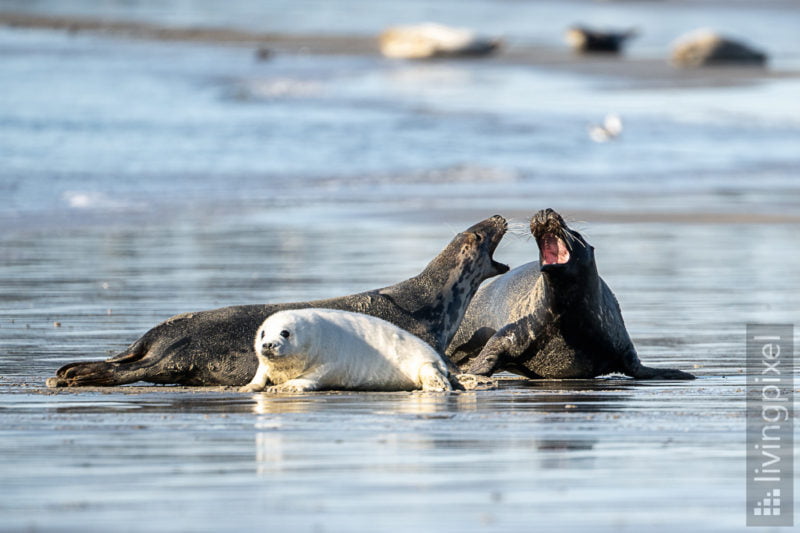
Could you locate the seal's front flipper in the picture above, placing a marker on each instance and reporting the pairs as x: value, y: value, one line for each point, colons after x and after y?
x: 294, y: 385
x: 470, y: 348
x: 473, y: 382
x: 434, y: 379
x: 487, y: 363
x: 507, y: 344
x: 494, y: 355
x: 259, y: 381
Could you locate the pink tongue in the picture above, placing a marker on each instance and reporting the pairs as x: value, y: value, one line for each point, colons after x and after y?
x: 553, y: 250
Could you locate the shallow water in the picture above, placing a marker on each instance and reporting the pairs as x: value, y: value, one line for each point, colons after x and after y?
x: 625, y: 454
x: 607, y: 455
x: 141, y: 179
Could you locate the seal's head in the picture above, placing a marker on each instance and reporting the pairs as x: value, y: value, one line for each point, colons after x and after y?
x: 478, y: 243
x: 563, y: 253
x: 451, y: 279
x: 278, y: 338
x: 469, y: 257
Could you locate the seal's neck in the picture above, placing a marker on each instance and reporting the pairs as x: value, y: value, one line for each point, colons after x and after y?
x: 573, y: 292
x: 438, y: 297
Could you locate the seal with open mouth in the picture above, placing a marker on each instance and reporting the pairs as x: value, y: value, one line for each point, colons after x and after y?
x: 555, y: 318
x: 216, y: 347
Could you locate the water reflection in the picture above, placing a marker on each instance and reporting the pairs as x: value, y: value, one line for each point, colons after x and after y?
x: 421, y: 405
x: 557, y: 454
x: 269, y: 453
x: 346, y: 433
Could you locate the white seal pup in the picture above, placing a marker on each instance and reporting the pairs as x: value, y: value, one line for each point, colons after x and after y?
x: 318, y: 349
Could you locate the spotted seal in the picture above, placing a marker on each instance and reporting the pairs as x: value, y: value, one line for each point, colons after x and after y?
x: 216, y: 347
x: 555, y: 318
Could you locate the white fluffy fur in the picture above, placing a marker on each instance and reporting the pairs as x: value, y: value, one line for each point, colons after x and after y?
x: 329, y: 349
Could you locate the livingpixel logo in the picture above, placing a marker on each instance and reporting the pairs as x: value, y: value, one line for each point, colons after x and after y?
x: 770, y: 505
x: 770, y: 425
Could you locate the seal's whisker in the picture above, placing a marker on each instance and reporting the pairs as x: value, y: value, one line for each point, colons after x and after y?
x: 505, y: 243
x: 567, y: 237
x: 574, y: 239
x: 451, y: 229
x: 518, y: 229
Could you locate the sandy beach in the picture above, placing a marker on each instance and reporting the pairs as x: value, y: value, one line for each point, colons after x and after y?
x: 153, y: 165
x: 641, y: 72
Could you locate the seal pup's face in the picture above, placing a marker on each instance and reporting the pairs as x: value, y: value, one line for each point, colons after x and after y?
x: 277, y: 338
x: 563, y: 253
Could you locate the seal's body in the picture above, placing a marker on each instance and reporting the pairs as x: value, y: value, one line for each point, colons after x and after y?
x: 591, y: 41
x: 706, y: 48
x: 555, y: 318
x: 215, y: 347
x: 324, y: 349
x: 430, y: 40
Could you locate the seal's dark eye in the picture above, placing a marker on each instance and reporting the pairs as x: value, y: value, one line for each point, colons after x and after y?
x: 263, y: 333
x: 285, y: 334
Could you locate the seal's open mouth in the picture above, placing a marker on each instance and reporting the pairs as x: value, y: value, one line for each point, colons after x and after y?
x: 493, y: 230
x: 553, y: 250
x: 503, y: 227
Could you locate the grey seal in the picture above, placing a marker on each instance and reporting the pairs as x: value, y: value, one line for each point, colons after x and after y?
x: 587, y: 40
x: 216, y: 347
x: 703, y: 48
x: 555, y: 318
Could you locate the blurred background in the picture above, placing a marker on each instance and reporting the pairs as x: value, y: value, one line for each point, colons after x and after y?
x: 162, y: 156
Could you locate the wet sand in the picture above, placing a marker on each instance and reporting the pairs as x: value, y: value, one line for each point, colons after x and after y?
x: 289, y: 43
x: 608, y: 455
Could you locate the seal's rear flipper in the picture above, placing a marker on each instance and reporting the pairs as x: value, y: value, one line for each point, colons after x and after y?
x: 93, y: 374
x: 646, y: 372
x: 633, y: 367
x: 118, y: 370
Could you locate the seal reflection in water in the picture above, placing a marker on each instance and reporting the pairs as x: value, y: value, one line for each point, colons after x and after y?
x: 216, y: 347
x: 555, y: 318
x: 323, y: 349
